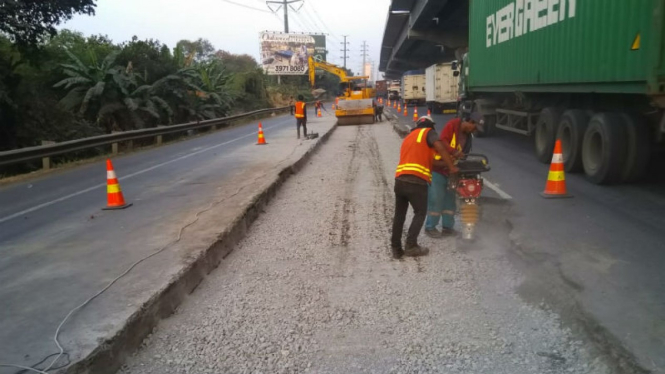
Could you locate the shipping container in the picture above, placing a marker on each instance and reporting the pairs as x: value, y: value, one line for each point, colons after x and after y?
x: 611, y: 46
x: 590, y: 73
x: 441, y: 87
x: 413, y: 89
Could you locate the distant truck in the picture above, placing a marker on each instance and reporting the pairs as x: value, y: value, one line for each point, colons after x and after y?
x: 413, y: 88
x: 442, y: 87
x: 394, y: 89
x: 590, y: 73
x: 381, y: 89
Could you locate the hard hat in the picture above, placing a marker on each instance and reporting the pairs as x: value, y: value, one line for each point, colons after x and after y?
x: 425, y: 121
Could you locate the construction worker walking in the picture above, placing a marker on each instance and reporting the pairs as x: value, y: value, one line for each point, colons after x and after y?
x: 412, y: 177
x: 441, y: 200
x: 301, y: 115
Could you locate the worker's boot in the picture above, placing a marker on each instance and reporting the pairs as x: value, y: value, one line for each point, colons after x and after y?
x: 416, y: 251
x: 433, y: 233
x: 445, y: 231
x: 397, y: 252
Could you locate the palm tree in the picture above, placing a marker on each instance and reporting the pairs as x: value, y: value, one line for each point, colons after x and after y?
x: 111, y: 95
x: 210, y: 91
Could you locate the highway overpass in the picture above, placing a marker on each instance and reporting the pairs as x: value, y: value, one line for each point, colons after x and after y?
x: 420, y: 33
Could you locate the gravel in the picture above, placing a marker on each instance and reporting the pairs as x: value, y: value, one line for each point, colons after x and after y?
x: 312, y: 289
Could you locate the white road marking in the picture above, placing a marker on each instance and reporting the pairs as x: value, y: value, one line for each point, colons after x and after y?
x: 77, y: 193
x: 496, y: 189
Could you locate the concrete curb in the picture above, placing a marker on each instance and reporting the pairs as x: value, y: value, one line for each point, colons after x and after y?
x: 109, y: 356
x: 401, y: 129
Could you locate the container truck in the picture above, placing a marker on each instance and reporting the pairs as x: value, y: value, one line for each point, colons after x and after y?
x: 590, y: 73
x: 394, y: 89
x: 441, y: 87
x: 413, y: 87
x: 381, y: 89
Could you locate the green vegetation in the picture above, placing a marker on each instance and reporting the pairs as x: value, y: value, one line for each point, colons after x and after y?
x: 73, y: 86
x: 63, y: 86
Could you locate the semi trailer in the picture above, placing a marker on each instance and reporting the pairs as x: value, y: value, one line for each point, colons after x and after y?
x: 413, y: 87
x: 588, y: 72
x: 441, y: 87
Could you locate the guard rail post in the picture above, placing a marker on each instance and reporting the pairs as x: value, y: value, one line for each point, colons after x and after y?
x: 46, y: 161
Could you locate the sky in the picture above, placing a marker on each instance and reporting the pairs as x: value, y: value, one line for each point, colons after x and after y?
x: 234, y: 25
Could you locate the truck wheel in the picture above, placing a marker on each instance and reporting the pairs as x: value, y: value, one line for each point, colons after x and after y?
x: 546, y: 129
x: 604, y: 148
x: 488, y: 127
x: 572, y: 127
x: 638, y: 148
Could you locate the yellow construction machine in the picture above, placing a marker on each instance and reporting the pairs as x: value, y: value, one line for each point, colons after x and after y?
x: 354, y: 107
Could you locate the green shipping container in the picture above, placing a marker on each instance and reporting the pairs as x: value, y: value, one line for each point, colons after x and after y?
x: 609, y: 46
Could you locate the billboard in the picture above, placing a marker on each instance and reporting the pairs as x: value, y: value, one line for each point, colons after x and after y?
x: 286, y: 54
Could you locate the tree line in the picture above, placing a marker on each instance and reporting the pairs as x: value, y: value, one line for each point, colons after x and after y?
x: 74, y: 86
x: 64, y: 85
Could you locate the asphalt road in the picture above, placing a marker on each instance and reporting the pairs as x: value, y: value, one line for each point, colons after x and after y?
x: 597, y: 258
x: 57, y: 247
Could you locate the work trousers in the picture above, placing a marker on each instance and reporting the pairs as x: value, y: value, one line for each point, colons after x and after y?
x: 441, y: 203
x: 302, y: 122
x: 408, y: 193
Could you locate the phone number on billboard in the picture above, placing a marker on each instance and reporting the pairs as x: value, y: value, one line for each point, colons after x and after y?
x: 286, y: 68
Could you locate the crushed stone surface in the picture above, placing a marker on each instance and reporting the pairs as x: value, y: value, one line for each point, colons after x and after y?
x: 313, y: 289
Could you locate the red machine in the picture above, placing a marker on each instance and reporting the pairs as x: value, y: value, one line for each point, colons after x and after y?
x: 469, y: 184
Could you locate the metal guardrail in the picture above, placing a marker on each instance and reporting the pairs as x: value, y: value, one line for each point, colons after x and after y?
x: 16, y: 156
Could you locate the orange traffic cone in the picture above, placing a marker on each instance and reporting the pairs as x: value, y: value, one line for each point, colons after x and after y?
x: 415, y: 114
x: 399, y: 107
x: 114, y: 197
x: 318, y: 112
x: 556, y: 180
x: 406, y: 114
x: 429, y: 112
x: 262, y: 139
x: 333, y: 107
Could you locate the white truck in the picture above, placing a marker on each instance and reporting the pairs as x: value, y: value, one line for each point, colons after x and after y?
x: 413, y: 89
x: 442, y: 87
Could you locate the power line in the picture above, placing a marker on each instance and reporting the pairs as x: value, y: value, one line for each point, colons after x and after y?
x: 246, y: 6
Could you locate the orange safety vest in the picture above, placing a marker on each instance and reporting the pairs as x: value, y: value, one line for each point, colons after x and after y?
x: 416, y: 156
x: 300, y: 109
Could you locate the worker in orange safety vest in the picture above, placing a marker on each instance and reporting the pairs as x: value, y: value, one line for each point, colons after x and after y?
x: 412, y: 177
x: 301, y: 115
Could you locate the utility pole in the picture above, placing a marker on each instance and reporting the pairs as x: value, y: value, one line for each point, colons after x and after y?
x: 285, y: 4
x: 364, y: 56
x: 344, y: 49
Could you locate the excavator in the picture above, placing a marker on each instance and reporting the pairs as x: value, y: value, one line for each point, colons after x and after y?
x: 354, y: 107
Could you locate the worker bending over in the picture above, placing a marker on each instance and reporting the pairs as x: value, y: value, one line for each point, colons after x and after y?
x: 441, y: 200
x: 413, y: 175
x: 301, y: 115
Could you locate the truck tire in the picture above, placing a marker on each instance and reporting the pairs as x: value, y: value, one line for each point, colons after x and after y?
x: 571, y: 131
x: 488, y: 127
x: 604, y: 148
x: 546, y: 130
x: 638, y: 148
